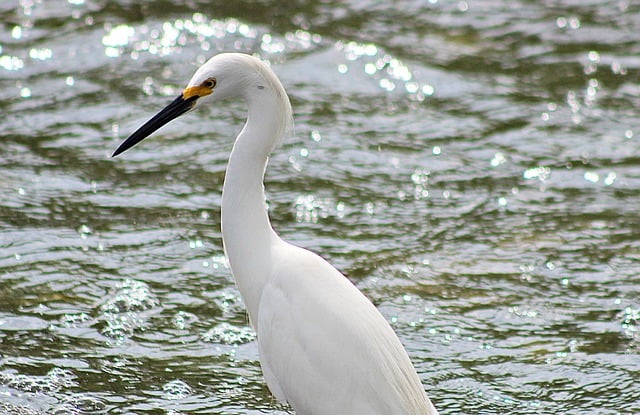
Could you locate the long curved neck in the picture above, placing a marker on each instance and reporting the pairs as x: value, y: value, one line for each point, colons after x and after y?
x: 246, y: 230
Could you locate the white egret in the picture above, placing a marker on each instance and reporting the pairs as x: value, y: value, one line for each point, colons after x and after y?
x: 324, y: 348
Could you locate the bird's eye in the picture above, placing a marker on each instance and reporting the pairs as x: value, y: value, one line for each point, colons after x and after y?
x: 210, y: 83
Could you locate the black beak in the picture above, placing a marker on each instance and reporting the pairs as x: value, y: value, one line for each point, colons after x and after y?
x: 178, y: 107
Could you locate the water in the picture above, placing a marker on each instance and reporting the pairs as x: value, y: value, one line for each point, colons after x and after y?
x: 471, y: 165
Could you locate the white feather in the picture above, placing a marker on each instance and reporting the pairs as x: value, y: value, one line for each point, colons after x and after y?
x: 325, y: 349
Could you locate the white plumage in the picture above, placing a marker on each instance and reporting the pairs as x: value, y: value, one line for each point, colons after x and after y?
x: 324, y: 348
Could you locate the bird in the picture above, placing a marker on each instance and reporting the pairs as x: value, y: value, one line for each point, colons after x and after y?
x: 324, y: 348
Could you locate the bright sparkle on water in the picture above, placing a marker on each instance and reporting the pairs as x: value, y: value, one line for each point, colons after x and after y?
x: 176, y: 389
x: 41, y: 54
x: 541, y: 173
x: 16, y: 32
x: 592, y: 177
x: 225, y: 333
x: 389, y: 70
x: 498, y: 159
x: 11, y: 63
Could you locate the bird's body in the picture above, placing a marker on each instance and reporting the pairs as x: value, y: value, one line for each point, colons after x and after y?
x: 330, y: 354
x: 324, y: 348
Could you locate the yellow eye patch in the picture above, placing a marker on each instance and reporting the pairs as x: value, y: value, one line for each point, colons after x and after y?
x: 196, y: 91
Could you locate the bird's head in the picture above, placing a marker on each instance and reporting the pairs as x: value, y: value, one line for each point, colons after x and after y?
x: 226, y: 75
